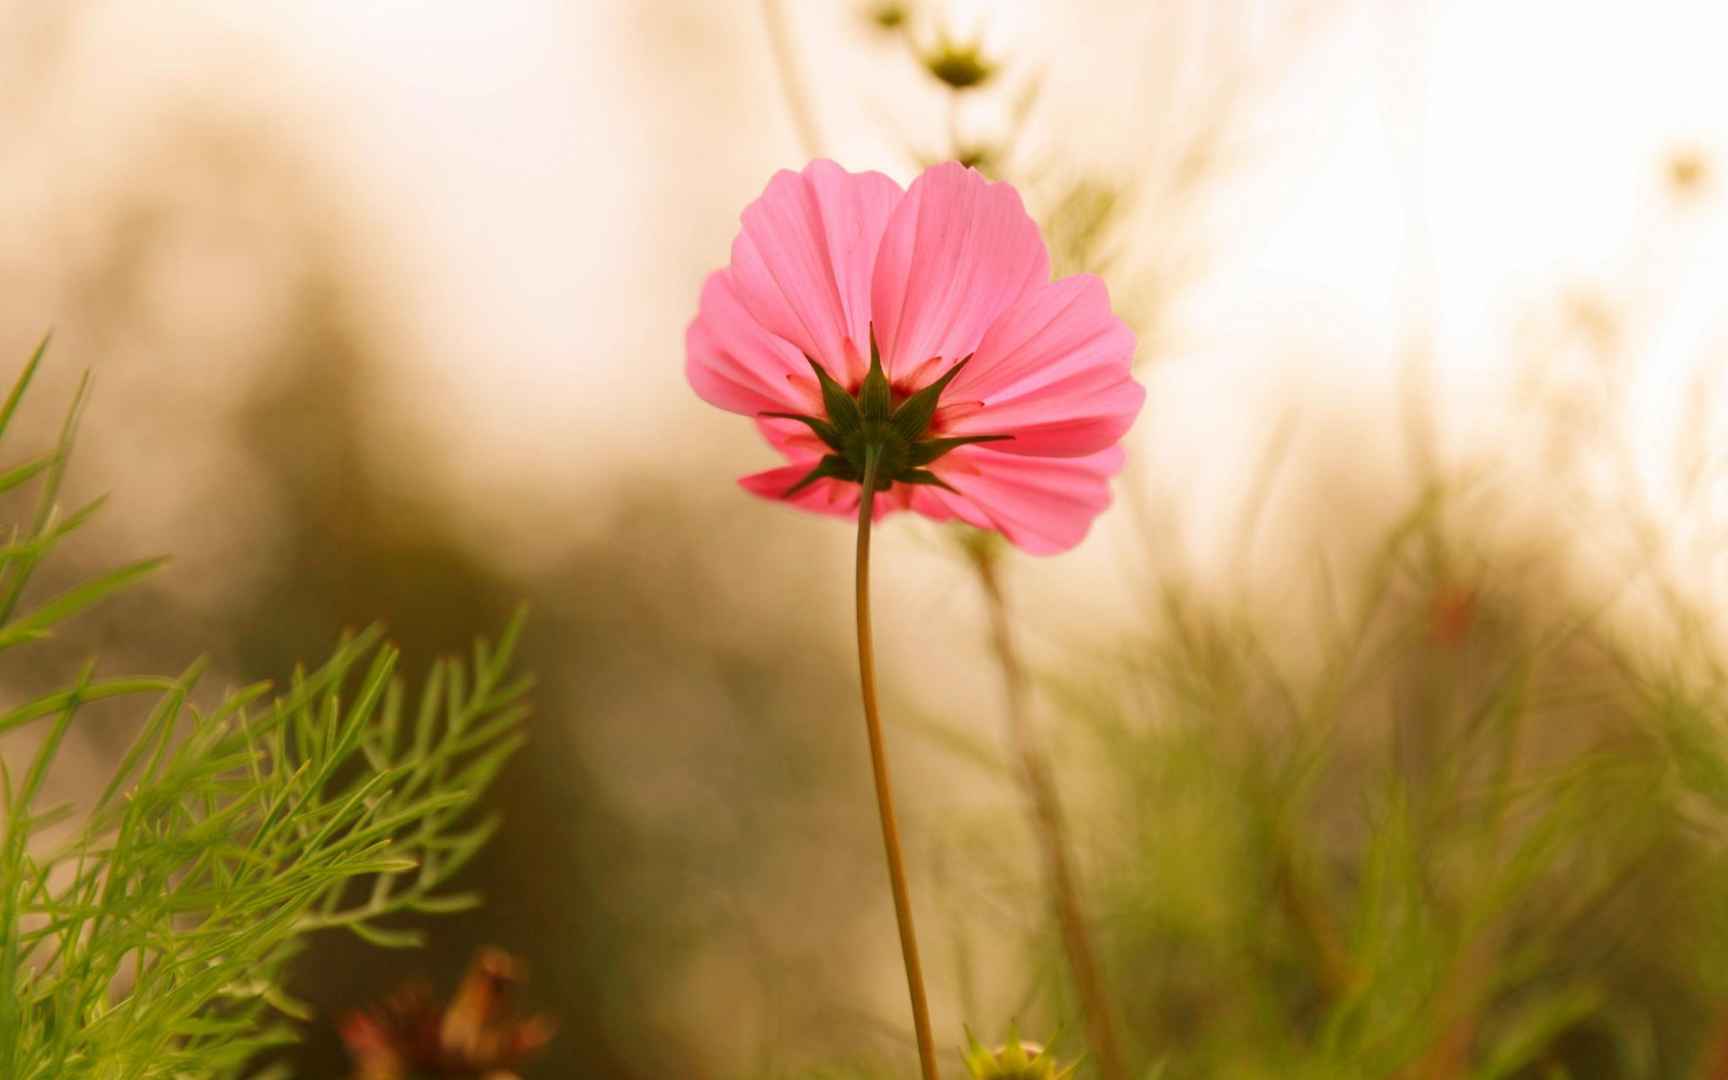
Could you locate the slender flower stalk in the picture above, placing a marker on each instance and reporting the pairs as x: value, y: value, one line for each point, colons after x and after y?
x: 1049, y: 823
x: 879, y: 768
x: 905, y: 350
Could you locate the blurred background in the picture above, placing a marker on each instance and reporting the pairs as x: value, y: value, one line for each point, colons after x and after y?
x: 385, y: 304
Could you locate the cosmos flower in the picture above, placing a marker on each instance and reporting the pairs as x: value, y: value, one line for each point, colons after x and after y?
x: 476, y: 1037
x: 924, y: 323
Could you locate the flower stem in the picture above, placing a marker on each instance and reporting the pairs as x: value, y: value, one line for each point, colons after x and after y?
x: 879, y: 766
x: 1052, y: 830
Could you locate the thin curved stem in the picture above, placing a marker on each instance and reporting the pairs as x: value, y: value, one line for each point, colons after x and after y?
x: 884, y: 793
x: 797, y: 101
x: 1052, y: 831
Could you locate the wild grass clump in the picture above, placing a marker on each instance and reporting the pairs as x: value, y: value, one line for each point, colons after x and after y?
x: 146, y: 931
x: 1427, y: 818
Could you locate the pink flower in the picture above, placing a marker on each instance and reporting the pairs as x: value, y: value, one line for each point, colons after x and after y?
x: 999, y: 395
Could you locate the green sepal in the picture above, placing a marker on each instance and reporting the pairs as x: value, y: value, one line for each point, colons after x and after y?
x: 875, y: 397
x: 873, y: 422
x: 832, y: 466
x: 824, y: 430
x: 1012, y: 1060
x: 979, y: 1060
x: 842, y: 410
x: 916, y: 412
x: 925, y: 452
x: 925, y: 476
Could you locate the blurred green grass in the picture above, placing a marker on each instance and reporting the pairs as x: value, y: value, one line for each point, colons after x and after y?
x: 1446, y: 821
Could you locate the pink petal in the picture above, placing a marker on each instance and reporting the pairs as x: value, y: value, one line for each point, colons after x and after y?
x: 836, y: 497
x: 953, y: 267
x: 958, y: 251
x: 1042, y: 505
x: 795, y: 441
x: 1058, y: 328
x: 733, y: 363
x: 1060, y: 421
x: 1054, y: 372
x: 802, y: 262
x: 928, y: 502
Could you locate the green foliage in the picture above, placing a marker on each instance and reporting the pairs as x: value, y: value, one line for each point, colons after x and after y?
x: 147, y: 935
x: 1414, y: 828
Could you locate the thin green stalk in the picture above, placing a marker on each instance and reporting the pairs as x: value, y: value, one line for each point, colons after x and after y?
x: 1052, y: 830
x: 1463, y: 996
x: 879, y: 767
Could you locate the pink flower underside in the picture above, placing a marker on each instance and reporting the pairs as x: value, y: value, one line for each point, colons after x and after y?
x: 953, y: 267
x: 1043, y: 505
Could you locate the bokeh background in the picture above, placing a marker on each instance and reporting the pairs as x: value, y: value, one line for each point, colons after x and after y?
x: 385, y: 302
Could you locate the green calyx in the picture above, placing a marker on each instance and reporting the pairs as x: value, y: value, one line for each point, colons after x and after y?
x: 896, y: 430
x: 1014, y: 1060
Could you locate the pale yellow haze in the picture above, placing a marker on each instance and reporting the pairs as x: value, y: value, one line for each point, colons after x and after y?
x: 536, y: 189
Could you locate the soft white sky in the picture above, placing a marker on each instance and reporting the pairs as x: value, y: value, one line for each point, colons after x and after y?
x: 540, y: 186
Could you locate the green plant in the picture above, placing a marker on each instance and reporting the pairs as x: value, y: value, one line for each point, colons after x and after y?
x: 148, y: 934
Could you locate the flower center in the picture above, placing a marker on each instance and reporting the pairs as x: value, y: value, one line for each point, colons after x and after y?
x: 872, y: 419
